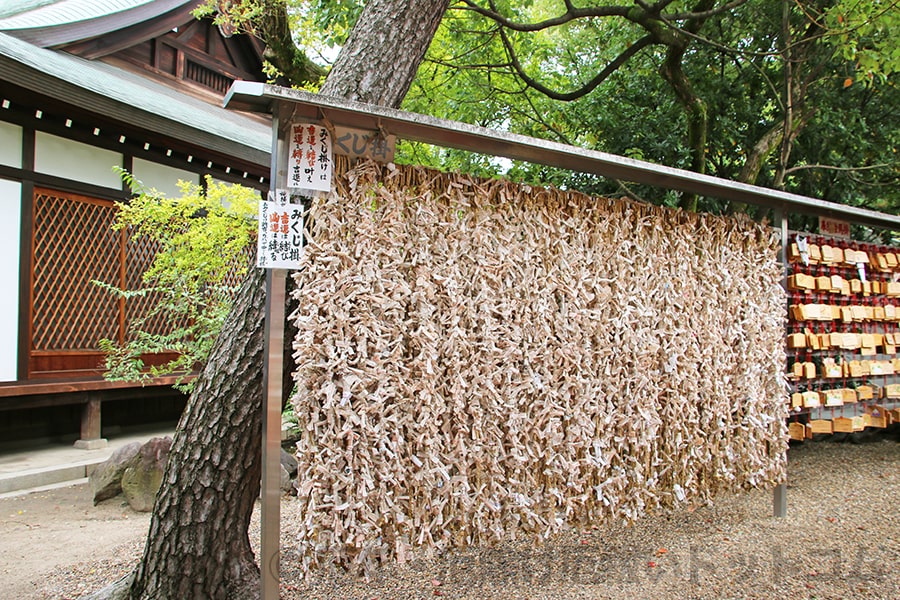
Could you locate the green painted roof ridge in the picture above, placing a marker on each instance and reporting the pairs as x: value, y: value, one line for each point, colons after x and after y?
x: 30, y: 14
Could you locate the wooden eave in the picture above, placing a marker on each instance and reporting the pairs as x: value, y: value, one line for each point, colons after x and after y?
x: 119, y: 39
x: 34, y: 76
x: 302, y: 106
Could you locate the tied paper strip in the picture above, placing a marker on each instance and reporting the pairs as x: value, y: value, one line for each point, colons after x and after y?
x: 481, y: 361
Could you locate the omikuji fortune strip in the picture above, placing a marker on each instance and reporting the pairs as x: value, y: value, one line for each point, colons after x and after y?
x: 481, y: 360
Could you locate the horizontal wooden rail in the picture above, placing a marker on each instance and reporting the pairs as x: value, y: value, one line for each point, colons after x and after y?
x: 61, y: 386
x: 25, y: 394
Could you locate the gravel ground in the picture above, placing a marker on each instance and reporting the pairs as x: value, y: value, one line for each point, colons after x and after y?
x: 841, y: 539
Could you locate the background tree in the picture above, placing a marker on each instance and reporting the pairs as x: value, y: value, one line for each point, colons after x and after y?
x: 707, y: 86
x: 740, y: 89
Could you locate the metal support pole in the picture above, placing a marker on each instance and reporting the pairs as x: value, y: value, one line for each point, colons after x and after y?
x: 270, y: 514
x: 271, y: 450
x: 779, y: 499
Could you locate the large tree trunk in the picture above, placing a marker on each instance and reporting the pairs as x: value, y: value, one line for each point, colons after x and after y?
x: 378, y: 66
x: 198, y: 545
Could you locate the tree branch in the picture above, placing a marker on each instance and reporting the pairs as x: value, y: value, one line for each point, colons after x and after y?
x: 835, y: 168
x: 611, y: 68
x: 572, y: 13
x: 538, y: 117
x: 704, y: 14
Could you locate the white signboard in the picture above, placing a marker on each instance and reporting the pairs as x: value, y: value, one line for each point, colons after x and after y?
x: 310, y: 158
x: 834, y: 227
x: 280, y: 239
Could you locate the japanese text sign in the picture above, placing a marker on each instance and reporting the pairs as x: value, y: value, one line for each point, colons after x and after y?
x: 280, y: 239
x: 310, y: 158
x: 834, y: 228
x: 364, y: 144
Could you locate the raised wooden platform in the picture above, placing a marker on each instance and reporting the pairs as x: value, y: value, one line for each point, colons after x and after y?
x: 89, y: 392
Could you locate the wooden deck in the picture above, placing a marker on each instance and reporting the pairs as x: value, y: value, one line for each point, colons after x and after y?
x: 89, y: 392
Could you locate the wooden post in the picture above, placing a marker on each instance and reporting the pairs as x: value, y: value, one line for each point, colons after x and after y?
x: 90, y: 426
x: 270, y: 516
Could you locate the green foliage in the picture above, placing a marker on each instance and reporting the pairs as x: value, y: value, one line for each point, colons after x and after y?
x: 865, y: 33
x: 324, y: 24
x: 845, y: 147
x: 202, y: 240
x: 241, y: 15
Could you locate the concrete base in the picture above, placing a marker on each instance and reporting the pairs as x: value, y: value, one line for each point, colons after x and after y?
x: 11, y: 482
x: 91, y: 444
x: 34, y: 466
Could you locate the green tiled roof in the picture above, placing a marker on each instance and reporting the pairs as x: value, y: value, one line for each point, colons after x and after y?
x: 15, y: 7
x: 120, y: 94
x: 25, y: 14
x: 52, y: 23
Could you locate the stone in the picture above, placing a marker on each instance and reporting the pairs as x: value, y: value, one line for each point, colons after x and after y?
x: 287, y: 484
x: 289, y: 462
x: 106, y: 478
x: 290, y: 433
x: 142, y: 479
x: 91, y: 444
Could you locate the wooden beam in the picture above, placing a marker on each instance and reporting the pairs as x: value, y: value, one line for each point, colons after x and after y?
x: 115, y: 41
x: 253, y: 96
x: 69, y: 386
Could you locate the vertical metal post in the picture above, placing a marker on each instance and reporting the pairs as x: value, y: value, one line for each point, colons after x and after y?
x: 270, y: 543
x: 779, y: 499
x: 270, y: 515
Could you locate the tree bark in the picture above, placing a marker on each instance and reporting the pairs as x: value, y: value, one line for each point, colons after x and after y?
x: 379, y: 66
x: 198, y: 546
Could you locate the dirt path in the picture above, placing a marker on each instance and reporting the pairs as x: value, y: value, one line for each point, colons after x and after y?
x: 841, y: 539
x: 45, y: 531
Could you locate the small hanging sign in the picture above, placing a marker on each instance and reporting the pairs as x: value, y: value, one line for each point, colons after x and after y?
x: 280, y: 235
x: 357, y: 143
x: 834, y: 228
x: 310, y: 158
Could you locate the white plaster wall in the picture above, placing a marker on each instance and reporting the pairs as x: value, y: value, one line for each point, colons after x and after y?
x: 76, y: 161
x: 10, y: 145
x: 162, y: 178
x: 226, y: 203
x: 10, y: 212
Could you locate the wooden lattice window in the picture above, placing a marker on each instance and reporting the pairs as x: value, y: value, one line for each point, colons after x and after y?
x: 137, y: 256
x: 74, y: 245
x: 208, y: 77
